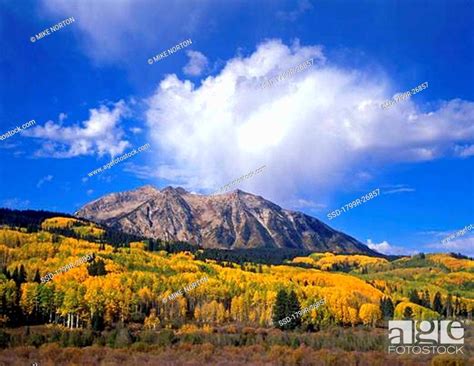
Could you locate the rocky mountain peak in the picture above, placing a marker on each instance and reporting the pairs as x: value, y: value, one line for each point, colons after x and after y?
x: 176, y: 190
x: 230, y: 220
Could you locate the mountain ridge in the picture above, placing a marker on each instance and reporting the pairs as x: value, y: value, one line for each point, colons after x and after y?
x: 232, y: 220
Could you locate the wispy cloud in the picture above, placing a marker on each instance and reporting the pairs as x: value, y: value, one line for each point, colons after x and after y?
x: 15, y: 203
x: 197, y: 63
x: 302, y: 7
x: 436, y: 233
x: 301, y: 203
x: 464, y: 151
x: 136, y: 130
x: 401, y: 189
x: 464, y: 245
x: 105, y: 25
x: 43, y: 180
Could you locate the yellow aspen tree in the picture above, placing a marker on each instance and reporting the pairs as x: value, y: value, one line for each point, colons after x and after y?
x: 28, y: 300
x: 353, y: 316
x: 370, y: 314
x: 152, y: 321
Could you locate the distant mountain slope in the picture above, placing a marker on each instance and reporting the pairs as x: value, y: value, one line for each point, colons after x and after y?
x: 232, y: 220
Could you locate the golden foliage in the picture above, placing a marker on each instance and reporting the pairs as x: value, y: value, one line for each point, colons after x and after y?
x: 452, y: 263
x: 370, y: 314
x: 138, y: 279
x: 419, y: 312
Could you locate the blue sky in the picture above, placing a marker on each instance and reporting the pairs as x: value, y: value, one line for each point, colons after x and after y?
x: 321, y: 133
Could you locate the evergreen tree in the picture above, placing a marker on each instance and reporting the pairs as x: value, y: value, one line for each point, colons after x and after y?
x: 390, y: 308
x: 387, y: 308
x: 97, y: 268
x: 293, y: 306
x: 6, y: 273
x: 382, y: 306
x: 437, y: 303
x: 426, y: 299
x: 408, y: 313
x: 37, y: 277
x: 413, y: 297
x: 279, y: 309
x: 22, y: 275
x: 15, y: 275
x: 97, y: 322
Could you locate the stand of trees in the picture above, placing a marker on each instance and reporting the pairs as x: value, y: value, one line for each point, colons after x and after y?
x: 449, y: 309
x: 286, y: 305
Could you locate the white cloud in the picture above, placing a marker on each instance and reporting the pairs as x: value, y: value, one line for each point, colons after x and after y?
x: 399, y: 188
x: 435, y: 233
x: 314, y: 131
x: 149, y: 26
x: 100, y: 135
x: 196, y: 65
x: 89, y: 192
x: 43, y: 180
x: 464, y: 151
x: 136, y: 130
x: 300, y: 203
x: 385, y: 248
x: 464, y: 245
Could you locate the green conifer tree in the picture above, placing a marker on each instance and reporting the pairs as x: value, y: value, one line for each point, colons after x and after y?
x: 437, y: 303
x: 37, y: 277
x: 414, y: 298
x: 408, y: 313
x: 426, y: 299
x: 292, y: 308
x: 279, y: 309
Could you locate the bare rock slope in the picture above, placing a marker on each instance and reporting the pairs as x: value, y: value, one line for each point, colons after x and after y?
x: 230, y: 220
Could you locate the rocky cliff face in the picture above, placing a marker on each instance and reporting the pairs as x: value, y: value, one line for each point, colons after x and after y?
x: 230, y: 220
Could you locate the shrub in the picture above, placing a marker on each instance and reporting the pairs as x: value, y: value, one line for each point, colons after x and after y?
x: 75, y: 339
x: 166, y: 337
x: 148, y: 336
x: 110, y: 338
x: 55, y: 336
x: 193, y: 338
x: 64, y: 339
x: 100, y: 341
x: 36, y: 340
x: 139, y: 347
x: 447, y: 360
x: 138, y: 318
x: 87, y: 338
x: 123, y: 338
x: 4, y: 339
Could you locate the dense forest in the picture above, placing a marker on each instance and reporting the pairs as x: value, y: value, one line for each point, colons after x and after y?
x: 116, y: 299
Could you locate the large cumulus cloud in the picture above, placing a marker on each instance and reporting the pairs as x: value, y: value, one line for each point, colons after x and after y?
x: 313, y: 131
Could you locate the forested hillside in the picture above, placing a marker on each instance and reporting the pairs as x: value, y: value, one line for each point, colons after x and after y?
x: 122, y: 291
x: 135, y: 280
